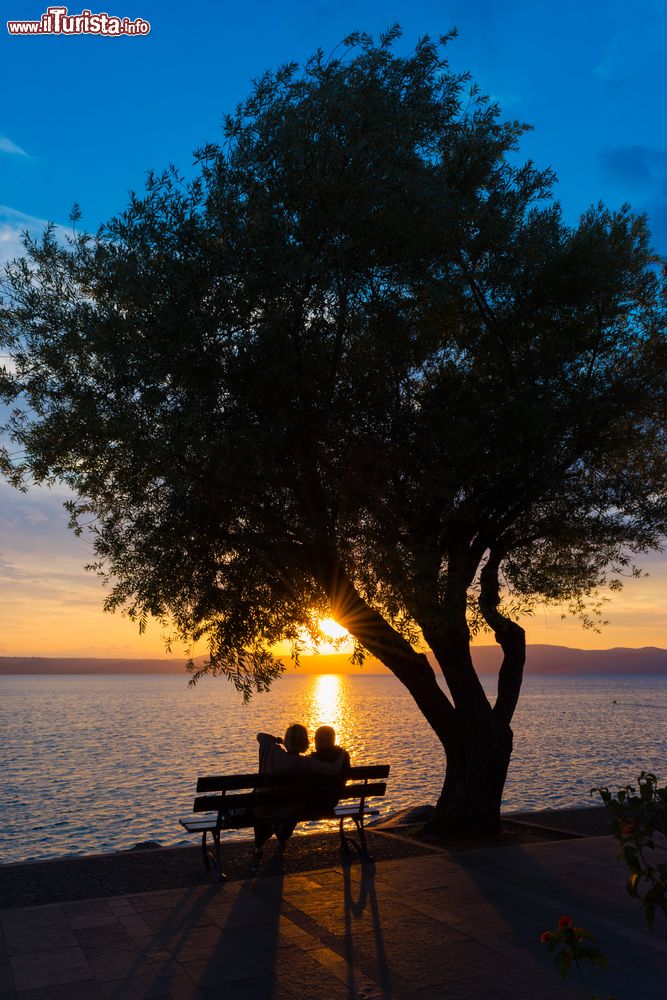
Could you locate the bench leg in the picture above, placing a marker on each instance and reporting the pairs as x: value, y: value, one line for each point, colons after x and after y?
x: 344, y: 840
x: 220, y: 875
x: 360, y: 846
x: 204, y: 851
x: 359, y: 823
x: 216, y: 857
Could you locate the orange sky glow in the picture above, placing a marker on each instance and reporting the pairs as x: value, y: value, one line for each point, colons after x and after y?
x: 51, y: 607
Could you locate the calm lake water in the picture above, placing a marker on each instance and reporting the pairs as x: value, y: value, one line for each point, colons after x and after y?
x: 99, y: 763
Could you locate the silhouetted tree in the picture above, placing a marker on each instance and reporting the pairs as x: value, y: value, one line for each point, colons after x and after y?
x: 358, y: 366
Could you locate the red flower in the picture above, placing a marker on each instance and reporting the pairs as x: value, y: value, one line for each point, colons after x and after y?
x: 564, y: 922
x: 545, y: 936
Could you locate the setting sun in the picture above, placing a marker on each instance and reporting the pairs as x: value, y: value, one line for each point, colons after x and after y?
x: 332, y: 629
x: 336, y: 638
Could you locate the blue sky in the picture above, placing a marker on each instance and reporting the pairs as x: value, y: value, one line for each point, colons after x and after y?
x: 84, y: 118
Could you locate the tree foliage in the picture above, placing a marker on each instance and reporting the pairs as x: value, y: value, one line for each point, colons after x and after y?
x: 358, y: 364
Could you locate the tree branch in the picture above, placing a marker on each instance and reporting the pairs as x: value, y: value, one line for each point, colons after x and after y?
x: 451, y: 647
x: 375, y: 633
x: 448, y: 635
x: 508, y: 634
x: 489, y: 319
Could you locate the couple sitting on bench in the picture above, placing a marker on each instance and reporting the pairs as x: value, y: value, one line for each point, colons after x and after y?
x: 327, y: 759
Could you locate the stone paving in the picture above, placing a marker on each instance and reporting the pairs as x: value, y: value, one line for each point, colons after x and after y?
x: 452, y: 927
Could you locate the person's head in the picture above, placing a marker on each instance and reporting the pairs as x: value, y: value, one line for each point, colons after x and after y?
x: 325, y: 738
x: 296, y: 738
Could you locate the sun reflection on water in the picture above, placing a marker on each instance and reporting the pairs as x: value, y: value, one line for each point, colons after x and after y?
x: 326, y: 700
x: 328, y: 704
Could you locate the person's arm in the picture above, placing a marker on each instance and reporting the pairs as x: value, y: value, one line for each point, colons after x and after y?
x: 269, y: 751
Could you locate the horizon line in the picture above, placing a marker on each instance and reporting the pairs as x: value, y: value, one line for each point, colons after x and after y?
x: 314, y: 654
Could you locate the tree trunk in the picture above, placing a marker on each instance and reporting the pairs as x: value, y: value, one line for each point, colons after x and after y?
x: 477, y: 763
x: 476, y: 737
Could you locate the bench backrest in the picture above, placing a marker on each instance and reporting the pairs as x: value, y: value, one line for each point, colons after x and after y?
x: 296, y: 779
x: 302, y: 787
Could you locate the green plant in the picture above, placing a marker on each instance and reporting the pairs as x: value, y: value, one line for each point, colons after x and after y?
x: 637, y: 817
x: 572, y: 946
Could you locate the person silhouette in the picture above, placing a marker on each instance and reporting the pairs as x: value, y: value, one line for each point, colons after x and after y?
x: 326, y: 749
x: 284, y: 756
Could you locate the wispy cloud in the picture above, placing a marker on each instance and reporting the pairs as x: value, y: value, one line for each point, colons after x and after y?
x: 40, y: 560
x: 641, y: 171
x: 639, y: 165
x: 12, y: 224
x: 50, y: 605
x: 7, y: 146
x: 626, y: 56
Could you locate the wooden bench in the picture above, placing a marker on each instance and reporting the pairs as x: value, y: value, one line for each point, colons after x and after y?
x: 311, y: 791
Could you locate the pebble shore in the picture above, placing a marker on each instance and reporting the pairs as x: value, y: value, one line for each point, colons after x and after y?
x: 121, y: 872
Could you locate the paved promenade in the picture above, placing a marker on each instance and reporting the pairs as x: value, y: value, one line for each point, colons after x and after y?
x: 445, y: 926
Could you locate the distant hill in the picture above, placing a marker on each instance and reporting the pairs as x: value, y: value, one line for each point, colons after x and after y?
x: 87, y: 665
x: 541, y: 659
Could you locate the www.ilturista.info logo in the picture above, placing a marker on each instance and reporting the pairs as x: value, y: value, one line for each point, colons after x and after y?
x: 57, y: 21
